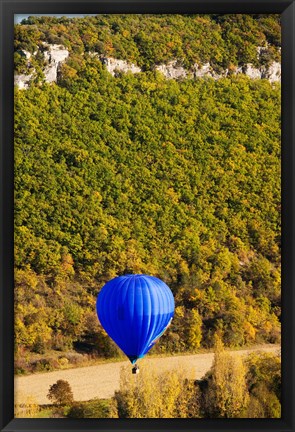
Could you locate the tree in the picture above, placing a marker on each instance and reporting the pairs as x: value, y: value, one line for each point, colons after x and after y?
x: 168, y: 394
x: 61, y: 393
x: 194, y: 329
x: 227, y: 393
x: 264, y: 383
x: 138, y: 173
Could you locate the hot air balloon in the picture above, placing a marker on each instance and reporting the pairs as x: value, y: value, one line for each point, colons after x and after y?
x: 135, y: 310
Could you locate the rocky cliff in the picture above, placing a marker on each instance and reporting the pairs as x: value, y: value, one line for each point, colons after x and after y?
x: 56, y: 55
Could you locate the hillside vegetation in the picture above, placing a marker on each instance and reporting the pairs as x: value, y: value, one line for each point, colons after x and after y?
x: 226, y: 41
x: 138, y: 174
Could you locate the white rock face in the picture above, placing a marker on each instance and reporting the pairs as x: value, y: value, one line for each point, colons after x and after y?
x: 114, y: 65
x: 55, y: 55
x: 22, y: 81
x: 205, y: 70
x: 26, y: 54
x: 173, y: 70
x: 251, y: 71
x: 93, y: 54
x: 202, y: 70
x: 238, y: 70
x: 273, y: 73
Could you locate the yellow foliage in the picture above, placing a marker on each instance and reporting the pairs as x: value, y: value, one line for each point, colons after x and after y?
x: 156, y: 394
x: 227, y: 394
x: 25, y: 406
x: 250, y: 332
x: 179, y: 311
x: 25, y: 278
x: 195, y: 329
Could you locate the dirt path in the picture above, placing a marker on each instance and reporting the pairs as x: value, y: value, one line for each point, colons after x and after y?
x: 102, y: 380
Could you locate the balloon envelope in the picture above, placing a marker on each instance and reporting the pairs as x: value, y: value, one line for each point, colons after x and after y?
x: 135, y: 310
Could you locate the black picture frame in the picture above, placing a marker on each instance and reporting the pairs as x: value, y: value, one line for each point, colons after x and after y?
x: 287, y: 11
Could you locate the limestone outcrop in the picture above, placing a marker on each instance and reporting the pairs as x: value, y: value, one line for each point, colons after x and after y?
x: 55, y: 55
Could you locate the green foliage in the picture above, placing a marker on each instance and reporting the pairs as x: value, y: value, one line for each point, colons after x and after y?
x: 61, y: 393
x: 139, y: 174
x: 238, y: 388
x: 225, y: 40
x: 96, y: 408
x: 264, y: 382
x: 233, y: 388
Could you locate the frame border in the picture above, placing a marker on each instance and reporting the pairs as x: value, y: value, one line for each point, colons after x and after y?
x: 7, y: 9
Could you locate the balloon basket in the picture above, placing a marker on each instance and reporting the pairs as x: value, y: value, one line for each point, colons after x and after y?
x: 135, y: 369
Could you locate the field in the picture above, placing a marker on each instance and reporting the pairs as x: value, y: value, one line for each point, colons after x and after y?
x: 102, y: 381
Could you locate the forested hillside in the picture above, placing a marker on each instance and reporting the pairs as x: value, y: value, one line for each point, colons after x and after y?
x: 139, y: 174
x: 225, y: 41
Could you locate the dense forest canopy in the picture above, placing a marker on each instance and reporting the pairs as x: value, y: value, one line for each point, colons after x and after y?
x: 226, y: 41
x: 139, y: 174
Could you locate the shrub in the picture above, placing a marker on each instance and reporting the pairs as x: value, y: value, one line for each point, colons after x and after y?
x: 61, y: 393
x: 96, y: 408
x: 26, y: 406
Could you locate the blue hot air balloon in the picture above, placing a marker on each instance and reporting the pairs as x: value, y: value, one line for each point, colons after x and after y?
x: 135, y: 310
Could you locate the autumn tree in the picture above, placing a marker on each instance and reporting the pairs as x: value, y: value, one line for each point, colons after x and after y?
x: 61, y: 393
x: 227, y: 393
x: 155, y: 394
x: 264, y: 383
x: 137, y: 173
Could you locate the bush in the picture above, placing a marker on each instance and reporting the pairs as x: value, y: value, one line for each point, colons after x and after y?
x: 61, y: 393
x: 76, y: 411
x: 26, y: 406
x: 269, y: 404
x: 96, y: 408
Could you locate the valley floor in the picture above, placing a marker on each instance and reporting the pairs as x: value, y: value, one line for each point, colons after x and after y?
x: 101, y: 381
